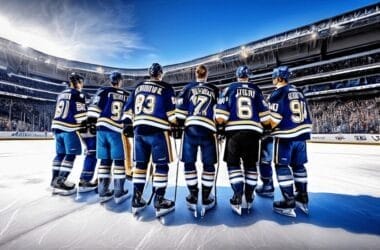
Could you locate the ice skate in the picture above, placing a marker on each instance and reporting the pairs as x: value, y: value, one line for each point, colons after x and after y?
x: 285, y: 207
x: 121, y: 196
x: 163, y: 206
x: 87, y: 186
x: 302, y: 201
x: 107, y: 196
x: 236, y: 203
x: 62, y: 187
x: 192, y: 201
x: 208, y: 200
x: 266, y: 190
x: 138, y: 204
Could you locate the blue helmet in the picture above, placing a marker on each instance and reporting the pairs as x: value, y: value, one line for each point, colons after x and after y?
x: 155, y: 70
x: 242, y: 72
x: 282, y: 72
x: 115, y: 77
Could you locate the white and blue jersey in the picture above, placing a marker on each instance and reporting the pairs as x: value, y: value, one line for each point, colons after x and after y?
x: 107, y: 108
x: 151, y: 107
x: 70, y: 111
x: 289, y: 113
x: 195, y: 105
x: 242, y: 107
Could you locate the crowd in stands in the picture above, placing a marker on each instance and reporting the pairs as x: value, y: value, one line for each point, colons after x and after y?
x: 352, y: 115
x: 346, y: 116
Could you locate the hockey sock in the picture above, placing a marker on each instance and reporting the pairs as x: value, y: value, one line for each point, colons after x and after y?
x: 66, y: 166
x: 104, y: 175
x: 285, y: 180
x: 89, y: 166
x: 139, y: 176
x: 250, y: 180
x: 265, y: 173
x: 57, y: 162
x: 119, y: 176
x: 160, y: 179
x: 191, y: 174
x: 208, y: 175
x: 300, y: 178
x: 235, y: 175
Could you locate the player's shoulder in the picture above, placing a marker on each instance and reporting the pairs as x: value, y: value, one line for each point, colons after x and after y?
x: 211, y: 86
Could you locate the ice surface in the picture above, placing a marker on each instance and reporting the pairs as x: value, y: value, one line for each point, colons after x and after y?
x: 344, y: 208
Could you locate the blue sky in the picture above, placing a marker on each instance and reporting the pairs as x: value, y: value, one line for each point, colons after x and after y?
x: 133, y: 34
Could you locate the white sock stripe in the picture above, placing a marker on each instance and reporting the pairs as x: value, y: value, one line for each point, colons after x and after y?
x: 251, y: 182
x: 303, y: 180
x: 190, y: 175
x: 104, y: 176
x: 191, y: 172
x: 56, y: 167
x: 235, y: 171
x: 208, y: 178
x: 235, y: 175
x: 159, y: 184
x: 208, y: 173
x: 139, y: 175
x: 160, y: 178
x: 286, y: 183
x: 303, y: 174
x: 118, y: 171
x: 139, y: 181
x: 67, y: 163
x: 104, y: 167
x: 284, y: 177
x: 207, y: 183
x: 63, y: 169
x: 119, y: 176
x: 237, y: 180
x: 104, y: 171
x: 57, y: 163
x: 192, y: 182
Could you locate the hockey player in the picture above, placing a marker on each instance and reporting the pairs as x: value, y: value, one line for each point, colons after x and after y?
x: 241, y: 108
x: 151, y: 106
x: 88, y: 137
x: 107, y: 108
x: 195, y: 108
x: 291, y: 122
x: 70, y: 112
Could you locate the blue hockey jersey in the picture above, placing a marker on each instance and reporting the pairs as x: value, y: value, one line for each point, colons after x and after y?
x: 107, y: 106
x: 70, y: 110
x: 152, y: 104
x: 195, y: 105
x: 242, y: 107
x: 290, y: 116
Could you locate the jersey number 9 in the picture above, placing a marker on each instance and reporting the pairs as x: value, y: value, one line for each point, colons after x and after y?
x: 116, y: 110
x: 298, y: 108
x: 62, y: 109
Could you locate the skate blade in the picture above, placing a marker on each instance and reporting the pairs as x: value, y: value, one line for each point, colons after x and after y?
x: 121, y: 199
x: 137, y: 210
x: 105, y: 199
x: 237, y: 209
x: 64, y: 192
x: 163, y: 211
x: 205, y: 208
x: 86, y: 189
x: 193, y: 207
x: 287, y: 212
x: 304, y: 207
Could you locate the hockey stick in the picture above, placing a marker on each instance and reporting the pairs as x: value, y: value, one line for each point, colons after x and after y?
x: 151, y: 178
x: 176, y: 178
x: 218, y: 141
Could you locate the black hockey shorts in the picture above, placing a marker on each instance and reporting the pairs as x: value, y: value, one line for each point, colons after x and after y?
x: 242, y: 145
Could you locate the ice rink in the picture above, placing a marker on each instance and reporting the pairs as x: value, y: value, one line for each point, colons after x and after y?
x: 344, y: 208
